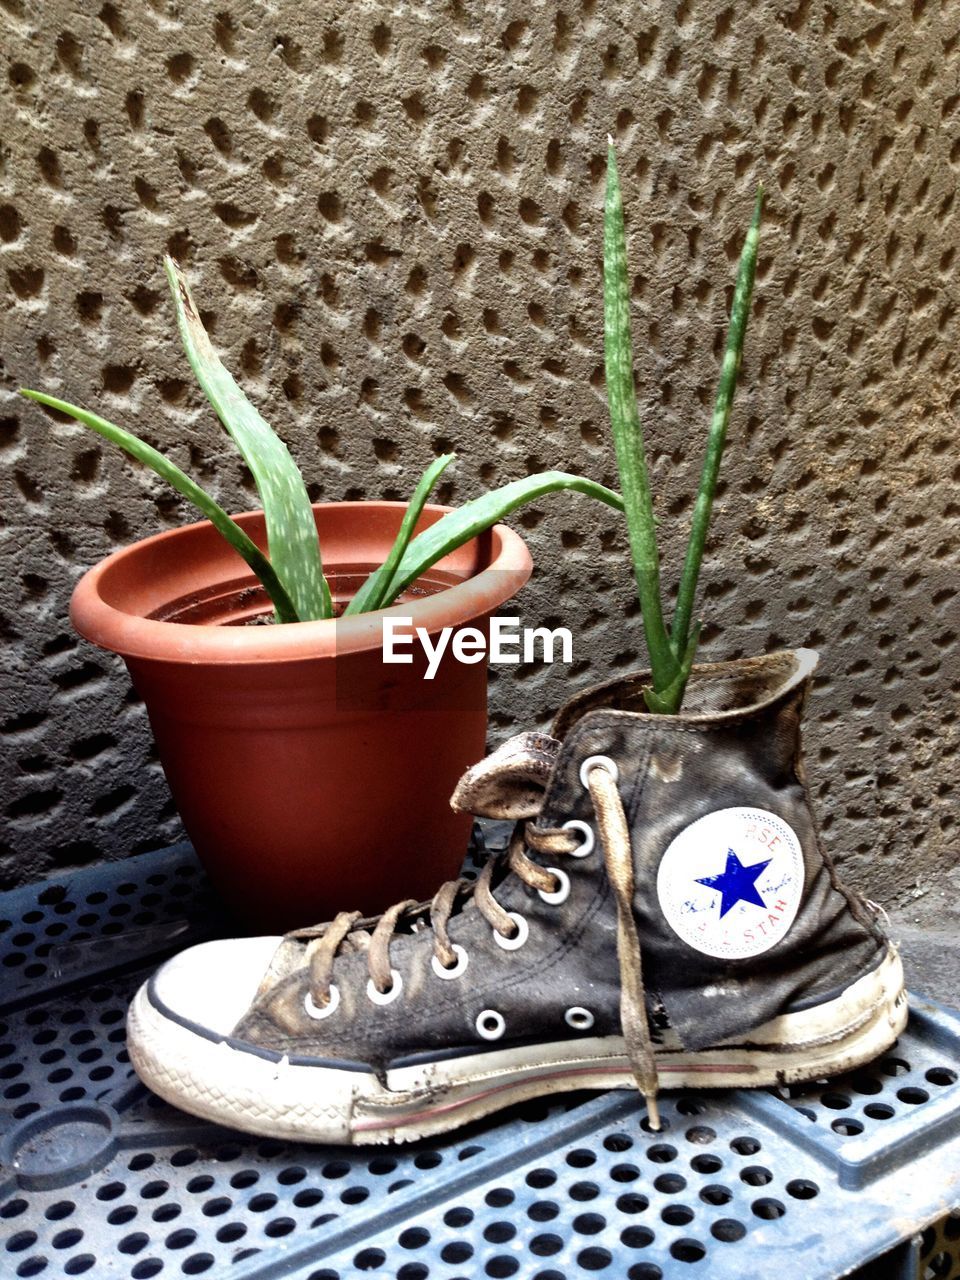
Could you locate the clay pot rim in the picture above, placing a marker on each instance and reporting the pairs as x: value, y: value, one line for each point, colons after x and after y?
x: 134, y: 636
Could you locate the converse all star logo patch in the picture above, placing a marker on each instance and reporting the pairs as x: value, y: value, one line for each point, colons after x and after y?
x: 730, y: 884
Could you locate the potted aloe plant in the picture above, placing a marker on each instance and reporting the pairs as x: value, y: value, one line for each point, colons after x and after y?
x: 307, y: 773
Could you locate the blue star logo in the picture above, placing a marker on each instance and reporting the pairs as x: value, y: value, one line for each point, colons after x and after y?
x: 736, y: 883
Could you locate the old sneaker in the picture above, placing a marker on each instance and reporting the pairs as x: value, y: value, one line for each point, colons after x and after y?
x: 664, y: 917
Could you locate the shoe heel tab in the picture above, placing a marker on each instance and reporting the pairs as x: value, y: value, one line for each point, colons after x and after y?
x: 807, y: 662
x: 786, y: 698
x: 795, y: 687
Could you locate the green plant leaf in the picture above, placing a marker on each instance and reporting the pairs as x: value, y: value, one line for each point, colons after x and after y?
x: 371, y: 593
x: 739, y: 314
x: 168, y: 471
x: 458, y: 527
x: 291, y: 530
x: 667, y: 701
x: 627, y: 432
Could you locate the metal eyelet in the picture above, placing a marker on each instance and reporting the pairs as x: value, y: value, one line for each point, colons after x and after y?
x: 578, y: 1018
x: 323, y: 1011
x: 589, y: 839
x: 490, y: 1024
x: 598, y: 762
x: 562, y: 891
x: 388, y: 996
x: 519, y: 938
x: 455, y: 970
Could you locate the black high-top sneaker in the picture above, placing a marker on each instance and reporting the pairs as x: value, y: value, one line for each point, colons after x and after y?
x: 664, y: 917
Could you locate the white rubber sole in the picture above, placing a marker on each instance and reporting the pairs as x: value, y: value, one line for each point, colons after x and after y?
x: 324, y: 1104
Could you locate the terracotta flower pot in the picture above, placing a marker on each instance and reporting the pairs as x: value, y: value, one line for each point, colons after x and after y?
x: 310, y: 776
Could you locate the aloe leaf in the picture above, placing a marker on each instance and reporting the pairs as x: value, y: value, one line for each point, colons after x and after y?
x: 370, y: 596
x: 739, y: 314
x: 627, y: 433
x: 667, y: 701
x: 168, y: 471
x: 291, y: 530
x: 458, y: 527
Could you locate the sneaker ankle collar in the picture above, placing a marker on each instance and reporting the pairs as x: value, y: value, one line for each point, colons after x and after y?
x: 717, y: 692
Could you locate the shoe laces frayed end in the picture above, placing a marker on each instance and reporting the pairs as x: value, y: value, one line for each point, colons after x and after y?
x: 618, y: 860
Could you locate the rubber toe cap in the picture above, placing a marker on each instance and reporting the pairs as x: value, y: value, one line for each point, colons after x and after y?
x: 211, y: 986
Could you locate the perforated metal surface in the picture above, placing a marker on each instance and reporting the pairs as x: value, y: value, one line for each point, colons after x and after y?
x: 100, y: 1177
x: 391, y: 217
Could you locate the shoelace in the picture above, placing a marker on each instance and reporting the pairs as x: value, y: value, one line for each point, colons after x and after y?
x: 614, y: 835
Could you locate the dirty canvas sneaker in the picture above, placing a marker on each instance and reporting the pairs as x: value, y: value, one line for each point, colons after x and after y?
x: 664, y: 917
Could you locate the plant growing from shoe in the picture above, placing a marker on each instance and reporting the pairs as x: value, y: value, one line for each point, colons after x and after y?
x: 671, y: 651
x: 292, y: 570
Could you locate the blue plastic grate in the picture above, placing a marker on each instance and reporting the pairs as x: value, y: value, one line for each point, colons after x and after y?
x: 100, y: 1178
x: 64, y: 931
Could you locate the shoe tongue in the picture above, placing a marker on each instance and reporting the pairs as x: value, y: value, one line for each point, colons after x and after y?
x: 510, y: 783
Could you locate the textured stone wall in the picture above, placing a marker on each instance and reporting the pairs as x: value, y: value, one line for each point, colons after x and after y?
x: 391, y: 215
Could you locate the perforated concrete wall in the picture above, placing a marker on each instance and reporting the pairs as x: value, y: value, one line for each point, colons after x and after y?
x: 391, y: 215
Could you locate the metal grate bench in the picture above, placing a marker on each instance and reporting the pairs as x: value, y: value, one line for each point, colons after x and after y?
x: 98, y: 1177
